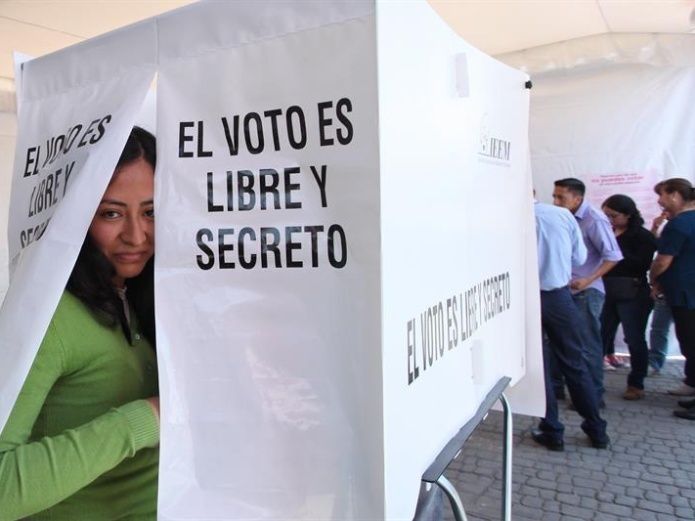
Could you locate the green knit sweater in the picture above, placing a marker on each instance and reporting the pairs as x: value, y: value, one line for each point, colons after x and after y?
x: 81, y: 441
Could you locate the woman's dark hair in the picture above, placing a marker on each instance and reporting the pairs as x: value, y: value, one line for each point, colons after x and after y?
x: 625, y: 205
x: 92, y: 275
x: 676, y: 184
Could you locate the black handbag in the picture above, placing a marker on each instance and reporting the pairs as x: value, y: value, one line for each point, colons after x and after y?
x: 622, y: 288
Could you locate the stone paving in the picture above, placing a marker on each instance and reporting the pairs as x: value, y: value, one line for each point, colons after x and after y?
x: 647, y: 475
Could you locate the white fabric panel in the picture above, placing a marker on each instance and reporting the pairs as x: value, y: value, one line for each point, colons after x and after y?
x: 620, y: 129
x: 8, y: 137
x: 528, y: 395
x: 611, y: 110
x: 605, y: 50
x: 270, y: 377
x: 90, y: 96
x: 180, y: 36
x: 455, y: 212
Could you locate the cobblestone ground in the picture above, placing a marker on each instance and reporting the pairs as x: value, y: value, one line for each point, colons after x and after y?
x: 647, y: 475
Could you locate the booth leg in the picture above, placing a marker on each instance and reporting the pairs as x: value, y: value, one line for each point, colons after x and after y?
x: 435, y: 472
x: 454, y: 499
x: 507, y: 461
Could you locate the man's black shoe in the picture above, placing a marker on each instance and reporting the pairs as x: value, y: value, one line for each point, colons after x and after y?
x: 548, y: 441
x: 601, y: 443
x: 688, y: 415
x: 687, y: 404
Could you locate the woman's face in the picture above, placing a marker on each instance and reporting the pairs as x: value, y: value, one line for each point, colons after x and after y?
x: 123, y: 227
x: 618, y: 220
x: 672, y: 203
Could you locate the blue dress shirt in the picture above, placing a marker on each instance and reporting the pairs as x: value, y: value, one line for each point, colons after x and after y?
x: 560, y: 245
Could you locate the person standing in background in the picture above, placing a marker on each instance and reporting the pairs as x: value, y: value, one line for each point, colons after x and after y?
x: 627, y: 292
x: 673, y: 274
x: 560, y: 247
x: 603, y: 253
x: 661, y: 316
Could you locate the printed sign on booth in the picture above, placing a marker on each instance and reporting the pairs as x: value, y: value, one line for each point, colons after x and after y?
x: 75, y: 114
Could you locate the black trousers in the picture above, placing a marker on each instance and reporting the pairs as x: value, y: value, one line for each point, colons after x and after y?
x: 561, y: 322
x: 684, y: 320
x: 633, y: 314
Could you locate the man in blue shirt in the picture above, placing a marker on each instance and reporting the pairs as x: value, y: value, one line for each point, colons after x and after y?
x: 603, y: 253
x: 560, y: 248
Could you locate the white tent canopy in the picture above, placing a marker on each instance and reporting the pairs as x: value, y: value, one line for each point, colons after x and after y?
x: 36, y: 27
x: 612, y: 110
x: 504, y: 26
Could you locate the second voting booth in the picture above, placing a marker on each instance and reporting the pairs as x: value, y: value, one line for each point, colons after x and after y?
x: 345, y: 260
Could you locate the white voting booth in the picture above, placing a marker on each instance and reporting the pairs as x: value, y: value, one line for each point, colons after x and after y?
x: 345, y: 252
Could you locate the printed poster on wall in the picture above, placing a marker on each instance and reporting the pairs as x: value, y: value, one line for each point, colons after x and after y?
x: 638, y: 185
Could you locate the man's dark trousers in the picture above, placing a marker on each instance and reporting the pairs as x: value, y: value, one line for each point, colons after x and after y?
x: 561, y: 322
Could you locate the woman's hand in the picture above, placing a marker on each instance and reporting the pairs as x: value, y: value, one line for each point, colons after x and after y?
x: 154, y: 402
x: 657, y: 222
x: 655, y: 291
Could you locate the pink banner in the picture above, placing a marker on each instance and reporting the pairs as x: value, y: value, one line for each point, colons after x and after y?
x: 638, y: 185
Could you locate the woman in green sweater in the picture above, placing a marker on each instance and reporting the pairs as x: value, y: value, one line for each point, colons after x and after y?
x: 82, y: 440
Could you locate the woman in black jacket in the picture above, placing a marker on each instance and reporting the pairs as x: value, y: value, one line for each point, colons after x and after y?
x: 627, y: 292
